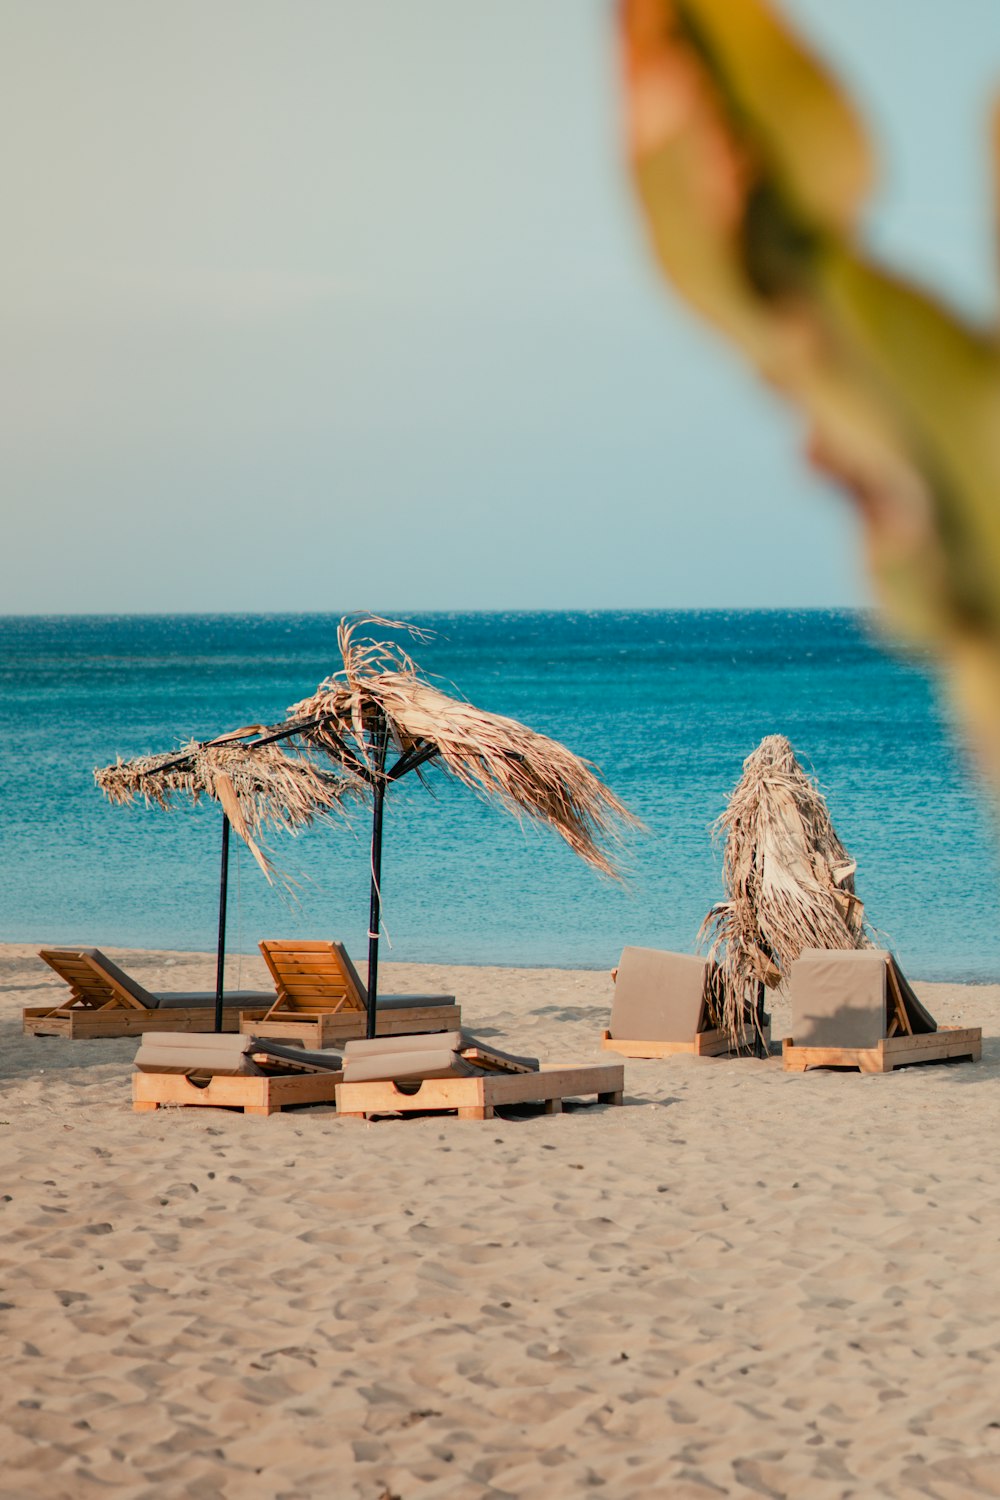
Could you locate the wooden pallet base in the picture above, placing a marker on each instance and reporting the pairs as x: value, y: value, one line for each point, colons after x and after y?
x: 79, y: 1022
x: 476, y: 1098
x: 704, y: 1044
x: 255, y: 1096
x: 891, y: 1052
x: 330, y: 1030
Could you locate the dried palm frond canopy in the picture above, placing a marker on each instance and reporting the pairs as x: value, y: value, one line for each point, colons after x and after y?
x: 379, y: 697
x: 375, y: 701
x: 259, y: 785
x: 789, y: 879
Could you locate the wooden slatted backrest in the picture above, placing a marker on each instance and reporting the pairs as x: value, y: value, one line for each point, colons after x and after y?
x: 94, y: 980
x: 312, y: 977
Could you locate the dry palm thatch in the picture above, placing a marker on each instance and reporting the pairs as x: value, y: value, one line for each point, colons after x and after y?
x: 789, y: 879
x: 529, y: 774
x: 259, y: 785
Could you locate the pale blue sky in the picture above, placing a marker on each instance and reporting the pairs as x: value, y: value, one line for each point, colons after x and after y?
x: 323, y: 305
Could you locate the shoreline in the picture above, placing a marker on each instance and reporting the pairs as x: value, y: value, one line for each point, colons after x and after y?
x: 741, y: 1282
x: 951, y: 997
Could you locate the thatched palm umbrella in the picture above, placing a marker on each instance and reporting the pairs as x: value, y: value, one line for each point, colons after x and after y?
x: 258, y: 785
x: 789, y: 879
x: 378, y: 702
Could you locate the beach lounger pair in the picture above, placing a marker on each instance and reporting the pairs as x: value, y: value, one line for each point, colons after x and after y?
x: 851, y: 1008
x: 383, y: 1075
x: 319, y: 998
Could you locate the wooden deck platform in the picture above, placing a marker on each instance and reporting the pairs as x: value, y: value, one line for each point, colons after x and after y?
x: 891, y: 1052
x: 476, y: 1098
x: 255, y: 1096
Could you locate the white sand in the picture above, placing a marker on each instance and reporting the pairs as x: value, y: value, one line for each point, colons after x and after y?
x: 744, y: 1282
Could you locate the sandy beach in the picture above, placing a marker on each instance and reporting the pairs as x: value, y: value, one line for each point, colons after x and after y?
x: 743, y: 1282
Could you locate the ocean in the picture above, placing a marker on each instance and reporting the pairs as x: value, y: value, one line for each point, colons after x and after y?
x: 667, y: 704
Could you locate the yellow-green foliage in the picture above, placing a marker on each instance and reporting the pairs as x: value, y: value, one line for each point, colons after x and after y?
x: 752, y: 168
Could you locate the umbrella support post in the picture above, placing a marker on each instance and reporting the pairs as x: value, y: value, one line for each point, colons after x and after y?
x: 223, y: 890
x: 760, y: 1047
x: 375, y: 913
x: 381, y: 743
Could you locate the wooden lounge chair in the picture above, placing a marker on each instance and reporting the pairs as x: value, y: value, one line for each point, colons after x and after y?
x: 241, y: 1072
x: 105, y: 1001
x: 661, y: 1006
x: 323, y: 1001
x: 453, y: 1071
x: 854, y: 1009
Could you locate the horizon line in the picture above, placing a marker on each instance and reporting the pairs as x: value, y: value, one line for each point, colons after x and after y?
x: 337, y: 614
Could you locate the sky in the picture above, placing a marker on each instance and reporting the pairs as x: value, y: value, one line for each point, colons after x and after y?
x: 325, y: 306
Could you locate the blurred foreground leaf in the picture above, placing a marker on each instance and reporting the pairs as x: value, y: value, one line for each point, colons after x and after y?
x: 752, y: 168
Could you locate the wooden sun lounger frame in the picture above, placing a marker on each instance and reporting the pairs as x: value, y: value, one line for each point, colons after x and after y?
x: 711, y: 1043
x: 891, y: 1052
x: 80, y: 1024
x: 327, y: 1025
x: 471, y: 1098
x: 898, y: 1048
x: 255, y: 1096
x: 122, y: 1014
x: 477, y: 1098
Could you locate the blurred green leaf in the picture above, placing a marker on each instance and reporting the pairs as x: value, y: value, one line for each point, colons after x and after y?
x: 752, y: 169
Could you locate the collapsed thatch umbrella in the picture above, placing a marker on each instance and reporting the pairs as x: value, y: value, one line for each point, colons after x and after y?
x: 258, y: 784
x: 789, y: 879
x: 378, y: 700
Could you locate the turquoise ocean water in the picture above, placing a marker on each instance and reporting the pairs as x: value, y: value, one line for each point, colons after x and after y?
x: 667, y: 704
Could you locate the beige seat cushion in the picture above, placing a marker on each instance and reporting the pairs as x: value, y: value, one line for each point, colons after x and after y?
x: 231, y: 1000
x: 408, y: 1066
x: 489, y: 1058
x: 838, y: 997
x: 390, y: 1046
x: 659, y: 997
x: 195, y: 1052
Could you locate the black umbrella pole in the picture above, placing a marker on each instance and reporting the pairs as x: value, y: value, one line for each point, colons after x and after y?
x: 375, y: 909
x: 759, y: 1045
x: 223, y: 889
